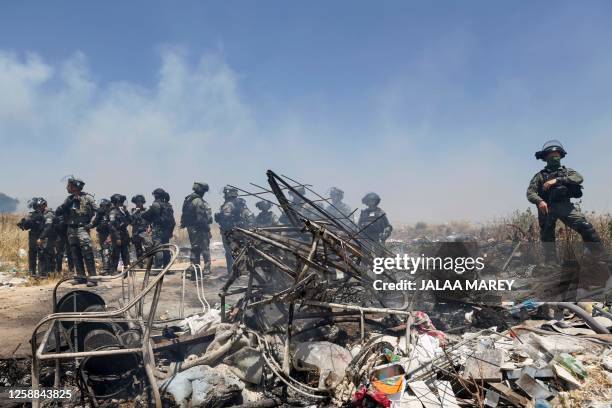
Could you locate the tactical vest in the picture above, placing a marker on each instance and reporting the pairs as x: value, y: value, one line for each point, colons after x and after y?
x: 79, y: 211
x: 102, y: 222
x: 122, y: 220
x: 166, y: 216
x: 139, y: 224
x: 265, y: 219
x: 373, y: 220
x: 558, y: 193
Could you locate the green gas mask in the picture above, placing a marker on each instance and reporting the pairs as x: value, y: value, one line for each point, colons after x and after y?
x: 553, y: 162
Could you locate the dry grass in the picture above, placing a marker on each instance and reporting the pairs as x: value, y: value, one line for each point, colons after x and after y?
x: 521, y: 225
x: 12, y: 238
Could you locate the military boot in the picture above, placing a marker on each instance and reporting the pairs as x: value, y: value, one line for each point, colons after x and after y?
x: 192, y: 269
x: 90, y: 263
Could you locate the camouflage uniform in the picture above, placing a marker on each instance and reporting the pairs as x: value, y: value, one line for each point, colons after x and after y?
x: 161, y: 216
x: 560, y: 207
x: 338, y: 209
x: 245, y: 217
x: 78, y: 210
x: 48, y: 238
x: 102, y: 224
x: 373, y: 221
x: 39, y: 224
x: 119, y: 220
x: 265, y: 218
x: 233, y: 213
x: 140, y: 226
x: 298, y: 205
x: 197, y: 217
x: 61, y: 244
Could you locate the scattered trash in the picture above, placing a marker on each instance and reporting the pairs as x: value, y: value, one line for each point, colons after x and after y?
x: 327, y: 359
x: 298, y: 323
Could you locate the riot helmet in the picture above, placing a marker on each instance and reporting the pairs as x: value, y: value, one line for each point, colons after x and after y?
x: 138, y: 198
x: 37, y: 202
x: 159, y: 193
x: 230, y: 192
x: 117, y: 199
x: 336, y: 193
x: 263, y: 205
x: 548, y: 147
x: 199, y: 187
x: 78, y: 183
x: 371, y: 198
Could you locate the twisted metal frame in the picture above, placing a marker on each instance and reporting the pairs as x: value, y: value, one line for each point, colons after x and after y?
x: 132, y: 312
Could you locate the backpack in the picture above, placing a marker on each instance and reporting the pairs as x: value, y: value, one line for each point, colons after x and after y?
x: 188, y: 214
x: 166, y: 216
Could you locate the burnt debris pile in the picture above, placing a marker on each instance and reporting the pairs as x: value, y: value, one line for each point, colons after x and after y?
x: 300, y: 323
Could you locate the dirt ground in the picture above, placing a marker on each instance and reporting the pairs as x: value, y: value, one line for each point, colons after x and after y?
x: 21, y: 308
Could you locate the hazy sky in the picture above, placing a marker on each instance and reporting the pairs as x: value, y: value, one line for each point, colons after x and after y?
x: 437, y: 106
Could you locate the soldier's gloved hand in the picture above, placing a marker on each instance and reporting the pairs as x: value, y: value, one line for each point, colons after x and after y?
x: 88, y: 227
x: 547, y: 185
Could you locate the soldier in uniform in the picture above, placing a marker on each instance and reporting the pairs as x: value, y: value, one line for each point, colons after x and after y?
x: 265, y: 218
x: 102, y: 225
x: 78, y: 210
x: 61, y: 244
x: 228, y: 218
x: 373, y: 221
x: 161, y: 216
x: 41, y: 235
x: 551, y: 190
x: 337, y: 208
x: 197, y: 217
x: 47, y: 239
x: 245, y: 217
x: 140, y: 226
x: 297, y: 204
x: 119, y: 219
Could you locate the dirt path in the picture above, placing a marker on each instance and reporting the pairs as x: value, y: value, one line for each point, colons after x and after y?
x: 21, y: 308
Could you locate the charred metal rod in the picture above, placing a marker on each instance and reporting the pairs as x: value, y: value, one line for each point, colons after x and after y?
x: 304, y: 269
x: 516, y: 247
x: 280, y: 246
x: 432, y: 360
x: 276, y: 262
x: 359, y: 308
x: 258, y: 195
x: 278, y: 297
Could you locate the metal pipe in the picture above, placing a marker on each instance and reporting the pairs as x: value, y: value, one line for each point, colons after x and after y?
x: 80, y: 354
x: 359, y: 308
x: 592, y: 323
